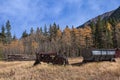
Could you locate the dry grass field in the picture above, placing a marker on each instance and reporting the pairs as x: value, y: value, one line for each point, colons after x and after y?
x: 76, y: 71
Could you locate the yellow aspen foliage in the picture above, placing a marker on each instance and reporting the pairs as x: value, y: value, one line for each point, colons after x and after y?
x: 67, y: 36
x: 59, y: 34
x: 81, y: 36
x: 16, y: 47
x: 76, y: 32
x: 87, y: 31
x: 109, y: 26
x: 83, y: 33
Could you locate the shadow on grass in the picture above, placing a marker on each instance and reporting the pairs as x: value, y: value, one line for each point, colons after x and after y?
x: 83, y: 63
x: 78, y: 64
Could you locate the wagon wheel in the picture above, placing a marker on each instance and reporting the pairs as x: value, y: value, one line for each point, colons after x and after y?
x: 112, y: 60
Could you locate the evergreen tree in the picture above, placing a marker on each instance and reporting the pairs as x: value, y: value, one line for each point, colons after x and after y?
x: 24, y: 34
x: 50, y: 32
x: 3, y: 35
x: 104, y: 34
x: 99, y: 34
x: 41, y: 30
x: 53, y: 31
x: 93, y: 28
x: 14, y: 37
x: 38, y: 31
x: 58, y: 27
x: 113, y: 23
x: 45, y: 30
x: 3, y: 30
x: 8, y: 33
x: 31, y: 31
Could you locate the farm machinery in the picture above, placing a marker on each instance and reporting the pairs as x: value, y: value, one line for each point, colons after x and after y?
x: 51, y: 57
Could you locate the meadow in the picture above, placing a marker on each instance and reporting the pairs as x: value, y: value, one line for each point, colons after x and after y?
x: 24, y: 70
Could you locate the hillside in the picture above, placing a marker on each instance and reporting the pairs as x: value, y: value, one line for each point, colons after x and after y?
x: 114, y: 14
x: 77, y: 71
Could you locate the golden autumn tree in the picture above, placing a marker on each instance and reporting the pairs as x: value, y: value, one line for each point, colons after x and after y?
x: 75, y: 41
x: 66, y: 40
x: 15, y: 47
x: 87, y: 36
x: 58, y: 40
x: 81, y: 37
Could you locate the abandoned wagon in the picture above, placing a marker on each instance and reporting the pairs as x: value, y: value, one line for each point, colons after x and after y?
x: 51, y: 57
x: 100, y: 55
x: 19, y: 57
x: 13, y: 57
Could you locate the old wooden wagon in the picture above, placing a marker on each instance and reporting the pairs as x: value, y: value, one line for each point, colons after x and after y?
x: 100, y: 55
x: 19, y: 57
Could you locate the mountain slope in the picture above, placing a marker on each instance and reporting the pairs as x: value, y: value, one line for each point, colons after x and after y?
x: 114, y: 14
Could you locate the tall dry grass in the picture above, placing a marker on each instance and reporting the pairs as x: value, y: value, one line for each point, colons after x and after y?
x: 77, y: 71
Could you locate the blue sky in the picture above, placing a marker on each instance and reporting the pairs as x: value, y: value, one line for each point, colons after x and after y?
x: 24, y: 14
